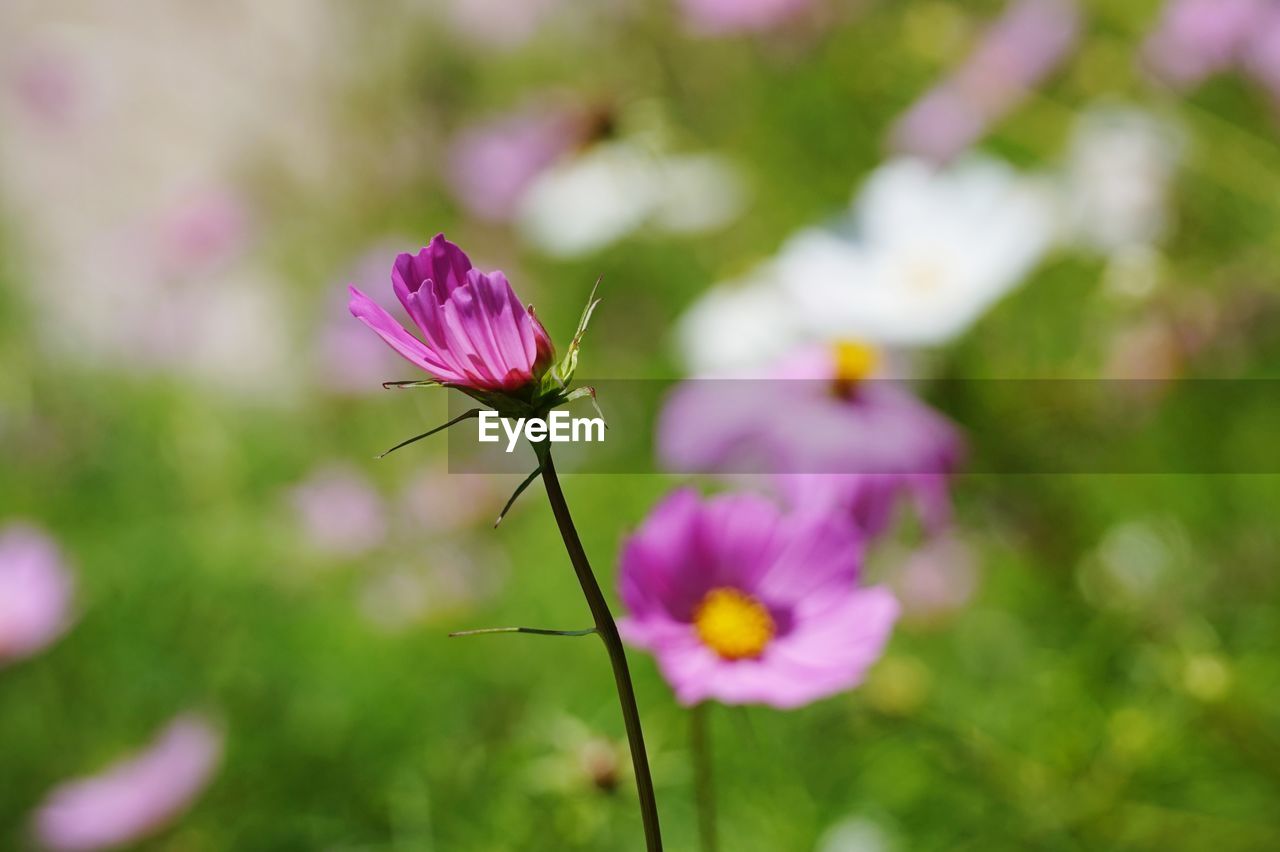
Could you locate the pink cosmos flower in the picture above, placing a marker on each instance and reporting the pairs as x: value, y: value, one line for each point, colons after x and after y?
x: 339, y: 512
x: 1198, y: 38
x: 819, y: 410
x: 477, y: 333
x: 491, y: 164
x: 743, y: 604
x: 35, y: 592
x: 134, y: 797
x: 1014, y: 55
x: 726, y: 17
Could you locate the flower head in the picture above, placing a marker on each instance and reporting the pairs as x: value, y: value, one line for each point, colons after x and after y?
x: 35, y: 592
x: 744, y: 604
x: 477, y: 334
x: 134, y: 797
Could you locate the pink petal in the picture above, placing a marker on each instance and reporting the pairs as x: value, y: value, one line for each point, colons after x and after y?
x: 409, y: 347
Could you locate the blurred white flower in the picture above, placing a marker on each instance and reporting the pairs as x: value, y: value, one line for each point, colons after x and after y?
x: 856, y: 834
x: 135, y: 797
x: 1116, y: 183
x: 35, y: 592
x: 614, y: 188
x: 736, y: 326
x: 932, y: 249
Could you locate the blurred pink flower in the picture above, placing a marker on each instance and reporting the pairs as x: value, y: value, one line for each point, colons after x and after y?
x: 438, y: 501
x: 349, y: 360
x: 491, y: 164
x: 1262, y: 55
x: 1198, y: 38
x: 936, y: 580
x: 201, y: 232
x: 478, y: 334
x: 726, y: 17
x: 339, y: 512
x: 53, y: 87
x: 817, y: 411
x: 745, y: 605
x: 35, y: 592
x: 1018, y: 52
x: 134, y: 797
x: 870, y: 500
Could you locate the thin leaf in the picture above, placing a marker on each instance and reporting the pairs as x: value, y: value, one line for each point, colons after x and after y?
x: 589, y: 393
x: 413, y: 383
x: 537, y: 631
x: 569, y: 364
x: 515, y: 494
x: 465, y: 415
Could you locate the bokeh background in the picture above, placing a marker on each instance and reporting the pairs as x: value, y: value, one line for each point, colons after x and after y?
x: 188, y: 414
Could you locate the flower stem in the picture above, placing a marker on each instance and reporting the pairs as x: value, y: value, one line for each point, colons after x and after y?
x: 703, y: 786
x: 608, y: 631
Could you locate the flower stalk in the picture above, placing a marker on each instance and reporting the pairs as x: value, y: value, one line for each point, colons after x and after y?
x: 608, y: 632
x: 704, y: 790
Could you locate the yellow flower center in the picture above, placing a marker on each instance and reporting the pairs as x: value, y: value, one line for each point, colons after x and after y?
x: 733, y: 624
x: 855, y: 361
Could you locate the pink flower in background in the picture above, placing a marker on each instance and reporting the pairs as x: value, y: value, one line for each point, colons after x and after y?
x: 743, y: 604
x: 1017, y: 53
x: 870, y: 500
x: 936, y: 580
x: 1262, y: 55
x: 493, y: 163
x: 349, y: 360
x: 35, y: 592
x: 818, y: 411
x: 726, y: 17
x: 339, y: 512
x: 53, y: 86
x: 202, y: 231
x: 477, y: 333
x: 135, y: 797
x: 1198, y: 38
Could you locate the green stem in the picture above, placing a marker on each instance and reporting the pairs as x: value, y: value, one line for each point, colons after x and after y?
x: 608, y: 631
x: 703, y: 784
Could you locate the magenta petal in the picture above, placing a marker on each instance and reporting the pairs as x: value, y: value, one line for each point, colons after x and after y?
x: 135, y: 797
x: 441, y: 262
x: 409, y: 347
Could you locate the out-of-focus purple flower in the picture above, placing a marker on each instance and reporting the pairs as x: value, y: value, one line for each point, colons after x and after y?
x: 726, y: 17
x: 53, y: 87
x: 349, y: 360
x: 201, y: 232
x: 1015, y: 54
x: 1262, y: 55
x: 492, y: 163
x: 1198, y: 38
x: 478, y: 335
x: 35, y: 592
x: 136, y: 797
x: 817, y: 411
x: 936, y: 580
x: 870, y: 500
x: 339, y: 512
x: 743, y: 604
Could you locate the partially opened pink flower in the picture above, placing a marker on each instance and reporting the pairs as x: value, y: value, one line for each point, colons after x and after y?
x: 476, y: 334
x: 35, y: 592
x: 134, y: 797
x: 743, y: 604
